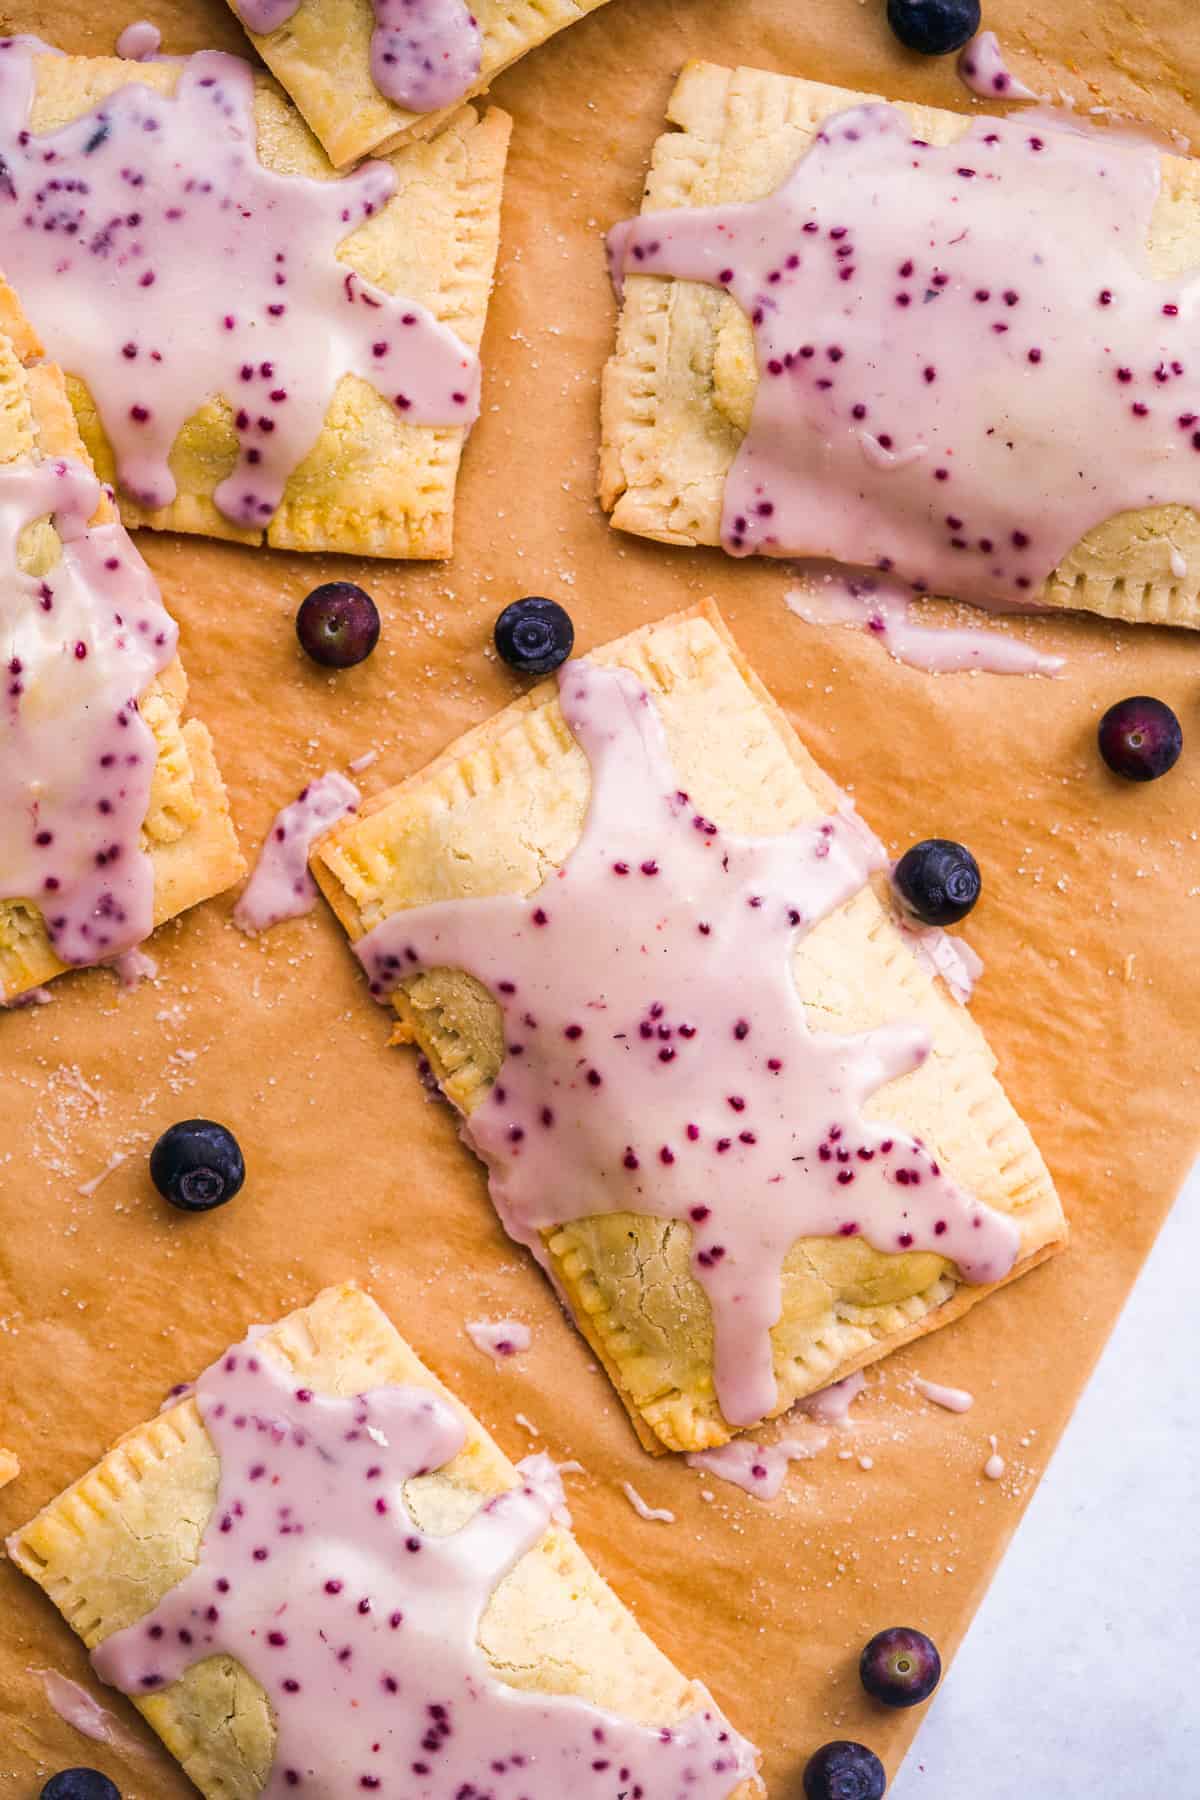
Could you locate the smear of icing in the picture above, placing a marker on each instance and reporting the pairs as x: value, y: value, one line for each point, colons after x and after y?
x: 76, y: 1707
x: 280, y: 886
x: 655, y: 1514
x: 88, y: 1188
x: 831, y: 1405
x: 133, y: 967
x: 165, y: 265
x: 1179, y: 567
x: 995, y: 1465
x: 425, y: 54
x: 658, y: 1056
x: 758, y: 1469
x: 988, y: 300
x: 315, y: 1574
x: 981, y: 66
x: 499, y: 1338
x: 953, y: 1399
x: 360, y: 763
x: 140, y: 41
x: 941, y: 953
x: 37, y: 996
x: 80, y: 644
x: 882, y: 607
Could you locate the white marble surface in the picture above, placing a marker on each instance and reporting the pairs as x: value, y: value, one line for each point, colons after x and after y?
x: 1079, y: 1675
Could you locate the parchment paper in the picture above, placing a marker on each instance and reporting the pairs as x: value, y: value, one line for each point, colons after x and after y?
x: 1090, y: 928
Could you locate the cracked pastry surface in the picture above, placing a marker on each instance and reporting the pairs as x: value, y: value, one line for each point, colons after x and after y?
x: 107, y: 1549
x: 678, y: 391
x: 372, y: 484
x: 322, y: 56
x: 504, y: 807
x: 188, y: 833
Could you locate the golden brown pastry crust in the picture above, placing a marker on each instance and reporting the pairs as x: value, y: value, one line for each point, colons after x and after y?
x: 371, y: 485
x: 108, y: 1548
x: 677, y: 392
x: 10, y: 1467
x: 188, y: 831
x: 322, y: 56
x: 499, y: 809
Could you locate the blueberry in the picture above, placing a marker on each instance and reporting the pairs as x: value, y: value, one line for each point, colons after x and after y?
x: 844, y: 1770
x: 934, y: 27
x: 1140, y: 738
x: 900, y: 1667
x: 938, y: 880
x: 80, y: 1784
x: 197, y: 1165
x: 534, y: 635
x: 338, y: 625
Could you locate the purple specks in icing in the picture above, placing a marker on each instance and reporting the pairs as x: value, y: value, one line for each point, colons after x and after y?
x: 777, y: 1107
x: 109, y: 290
x: 371, y: 1712
x: 1032, y: 434
x: 71, y: 807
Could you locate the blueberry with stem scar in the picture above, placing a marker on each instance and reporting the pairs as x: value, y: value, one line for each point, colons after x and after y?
x: 1140, y: 738
x: 80, y: 1784
x: 900, y: 1666
x: 534, y: 635
x: 937, y: 880
x: 338, y: 625
x: 844, y: 1770
x: 934, y: 27
x: 196, y: 1165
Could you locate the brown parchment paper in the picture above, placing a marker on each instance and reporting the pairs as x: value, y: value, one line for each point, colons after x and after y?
x: 1090, y: 927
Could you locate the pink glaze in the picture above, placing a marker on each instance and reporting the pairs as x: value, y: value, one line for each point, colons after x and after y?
x: 658, y: 1057
x: 938, y: 953
x: 655, y: 1515
x: 162, y: 263
x: 987, y: 302
x: 953, y: 1399
x: 80, y: 644
x: 995, y: 1465
x: 831, y: 1405
x: 758, y: 1469
x: 425, y: 54
x: 881, y: 606
x: 499, y: 1338
x: 363, y: 1629
x: 140, y: 41
x: 280, y: 886
x: 133, y: 967
x: 76, y: 1707
x: 38, y: 996
x: 981, y: 66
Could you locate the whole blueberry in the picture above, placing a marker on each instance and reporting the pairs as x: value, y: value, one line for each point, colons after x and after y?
x: 844, y: 1770
x: 197, y: 1165
x: 934, y: 27
x: 1140, y: 738
x: 534, y: 635
x: 338, y: 625
x: 900, y: 1666
x: 938, y: 880
x: 80, y: 1784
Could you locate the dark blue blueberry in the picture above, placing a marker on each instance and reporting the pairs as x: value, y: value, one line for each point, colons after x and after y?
x: 338, y: 625
x: 80, y: 1784
x: 1140, y: 738
x: 534, y: 635
x: 934, y: 27
x: 844, y: 1770
x: 900, y: 1666
x: 197, y: 1165
x: 938, y: 880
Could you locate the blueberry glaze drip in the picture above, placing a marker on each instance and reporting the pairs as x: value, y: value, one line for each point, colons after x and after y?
x: 425, y: 54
